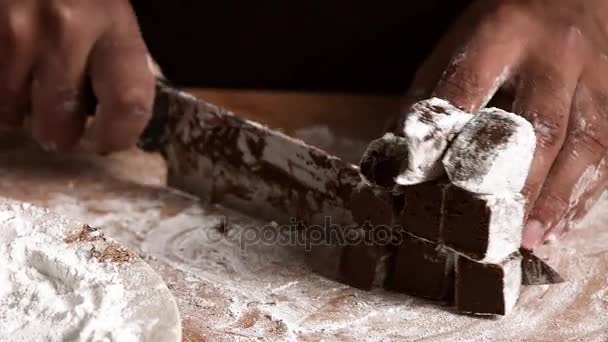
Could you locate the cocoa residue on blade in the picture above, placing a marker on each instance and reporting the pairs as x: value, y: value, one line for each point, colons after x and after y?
x: 537, y: 272
x: 215, y: 134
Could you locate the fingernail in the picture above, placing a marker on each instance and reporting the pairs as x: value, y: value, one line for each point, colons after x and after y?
x: 556, y: 232
x: 533, y: 234
x: 551, y: 238
x: 555, y: 236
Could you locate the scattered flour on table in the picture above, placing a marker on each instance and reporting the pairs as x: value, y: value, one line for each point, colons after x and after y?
x: 53, y: 289
x: 268, y: 291
x: 238, y: 292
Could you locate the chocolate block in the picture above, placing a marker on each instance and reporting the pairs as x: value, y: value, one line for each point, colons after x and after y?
x: 492, y: 153
x: 485, y: 228
x: 364, y: 266
x: 423, y: 269
x: 428, y: 129
x: 383, y: 159
x: 372, y: 206
x: 422, y: 213
x: 325, y: 260
x: 487, y: 288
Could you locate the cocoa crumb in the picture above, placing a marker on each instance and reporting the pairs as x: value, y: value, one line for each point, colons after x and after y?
x: 113, y: 252
x: 85, y: 234
x: 222, y: 226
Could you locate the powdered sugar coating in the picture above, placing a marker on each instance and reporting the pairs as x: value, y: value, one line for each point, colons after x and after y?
x: 502, y: 231
x: 511, y: 271
x: 383, y: 159
x: 428, y: 129
x: 493, y: 153
x: 512, y: 282
x: 505, y: 227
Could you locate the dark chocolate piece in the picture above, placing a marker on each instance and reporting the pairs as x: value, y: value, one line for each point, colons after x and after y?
x: 429, y: 128
x: 363, y: 262
x: 483, y: 227
x: 371, y: 206
x: 364, y: 266
x: 492, y: 153
x: 325, y: 259
x: 383, y: 159
x: 423, y: 269
x: 487, y: 288
x: 422, y: 214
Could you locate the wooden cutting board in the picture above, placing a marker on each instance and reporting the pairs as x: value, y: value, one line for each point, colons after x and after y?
x: 231, y: 289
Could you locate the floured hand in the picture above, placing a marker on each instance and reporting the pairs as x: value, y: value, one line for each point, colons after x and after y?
x: 551, y: 58
x: 51, y: 48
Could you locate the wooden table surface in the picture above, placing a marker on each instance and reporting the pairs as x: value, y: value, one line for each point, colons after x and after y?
x: 269, y: 293
x: 356, y: 116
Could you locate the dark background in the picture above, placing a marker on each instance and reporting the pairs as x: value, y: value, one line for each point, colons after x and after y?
x: 371, y: 47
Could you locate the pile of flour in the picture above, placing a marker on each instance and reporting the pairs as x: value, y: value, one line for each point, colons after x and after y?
x: 60, y: 287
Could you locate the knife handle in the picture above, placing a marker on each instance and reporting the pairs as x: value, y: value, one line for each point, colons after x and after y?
x: 153, y: 137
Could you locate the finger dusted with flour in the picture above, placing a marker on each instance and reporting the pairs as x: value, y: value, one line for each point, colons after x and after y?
x: 577, y: 170
x: 53, y: 50
x: 492, y: 153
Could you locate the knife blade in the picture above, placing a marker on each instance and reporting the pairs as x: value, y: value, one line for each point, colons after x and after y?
x: 247, y: 166
x: 535, y: 271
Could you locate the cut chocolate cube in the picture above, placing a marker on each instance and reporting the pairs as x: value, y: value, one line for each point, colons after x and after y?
x: 363, y: 263
x: 372, y: 206
x: 423, y: 269
x: 365, y: 266
x: 383, y: 159
x: 422, y: 215
x: 325, y: 260
x: 428, y: 129
x: 492, y: 153
x: 485, y: 228
x: 487, y: 288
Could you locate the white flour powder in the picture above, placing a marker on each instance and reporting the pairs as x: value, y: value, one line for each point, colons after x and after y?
x: 267, y: 292
x: 61, y: 281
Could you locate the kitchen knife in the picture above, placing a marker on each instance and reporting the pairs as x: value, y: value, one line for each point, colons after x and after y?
x: 242, y: 164
x: 222, y: 158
